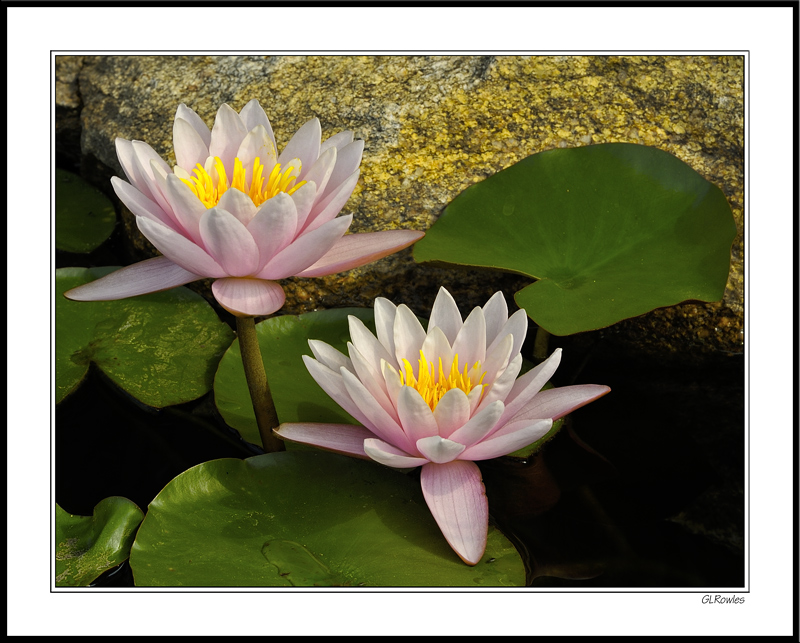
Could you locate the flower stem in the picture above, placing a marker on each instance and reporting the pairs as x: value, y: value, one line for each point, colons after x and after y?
x: 541, y: 345
x: 264, y: 407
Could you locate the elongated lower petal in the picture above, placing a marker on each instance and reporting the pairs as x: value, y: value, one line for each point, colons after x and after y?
x: 246, y: 297
x: 456, y: 497
x: 151, y: 275
x: 354, y: 250
x: 390, y: 455
x: 347, y: 439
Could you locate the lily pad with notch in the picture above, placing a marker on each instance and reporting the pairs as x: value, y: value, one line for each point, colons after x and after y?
x: 162, y: 348
x: 85, y: 218
x: 304, y: 519
x: 609, y: 232
x: 88, y: 546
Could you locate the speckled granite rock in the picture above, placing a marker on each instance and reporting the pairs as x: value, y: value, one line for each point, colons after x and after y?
x: 68, y: 107
x: 433, y: 125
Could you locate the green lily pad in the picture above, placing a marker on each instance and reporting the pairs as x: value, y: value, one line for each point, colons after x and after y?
x: 84, y: 216
x: 304, y: 519
x: 162, y: 348
x: 609, y: 231
x: 526, y: 452
x: 87, y: 546
x: 283, y: 341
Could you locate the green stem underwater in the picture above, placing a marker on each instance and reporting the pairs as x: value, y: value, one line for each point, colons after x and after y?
x: 541, y: 345
x: 264, y: 407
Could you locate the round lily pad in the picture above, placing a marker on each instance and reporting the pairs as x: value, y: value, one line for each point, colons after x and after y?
x: 610, y: 231
x: 304, y: 519
x: 85, y: 218
x: 162, y: 348
x: 87, y: 546
x: 283, y: 341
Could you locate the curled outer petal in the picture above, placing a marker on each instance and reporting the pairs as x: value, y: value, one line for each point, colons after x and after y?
x: 151, y: 275
x: 246, y: 297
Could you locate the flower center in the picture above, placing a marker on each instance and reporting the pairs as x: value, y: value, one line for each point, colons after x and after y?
x: 211, y: 182
x: 432, y: 384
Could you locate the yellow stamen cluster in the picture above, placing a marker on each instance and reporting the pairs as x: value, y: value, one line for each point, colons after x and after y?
x: 210, y: 191
x: 433, y: 384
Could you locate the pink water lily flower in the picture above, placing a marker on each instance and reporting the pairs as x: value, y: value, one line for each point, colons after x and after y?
x: 234, y: 210
x: 440, y: 399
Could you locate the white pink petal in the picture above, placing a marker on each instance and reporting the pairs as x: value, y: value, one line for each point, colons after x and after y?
x: 248, y: 297
x: 354, y: 250
x: 229, y: 243
x: 456, y: 497
x: 179, y: 249
x: 438, y: 449
x: 305, y: 250
x: 445, y: 315
x: 190, y: 148
x: 273, y: 227
x: 382, y: 424
x: 347, y: 439
x: 227, y: 135
x: 304, y: 145
x: 150, y: 275
x: 415, y: 415
x: 389, y: 455
x: 519, y: 435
